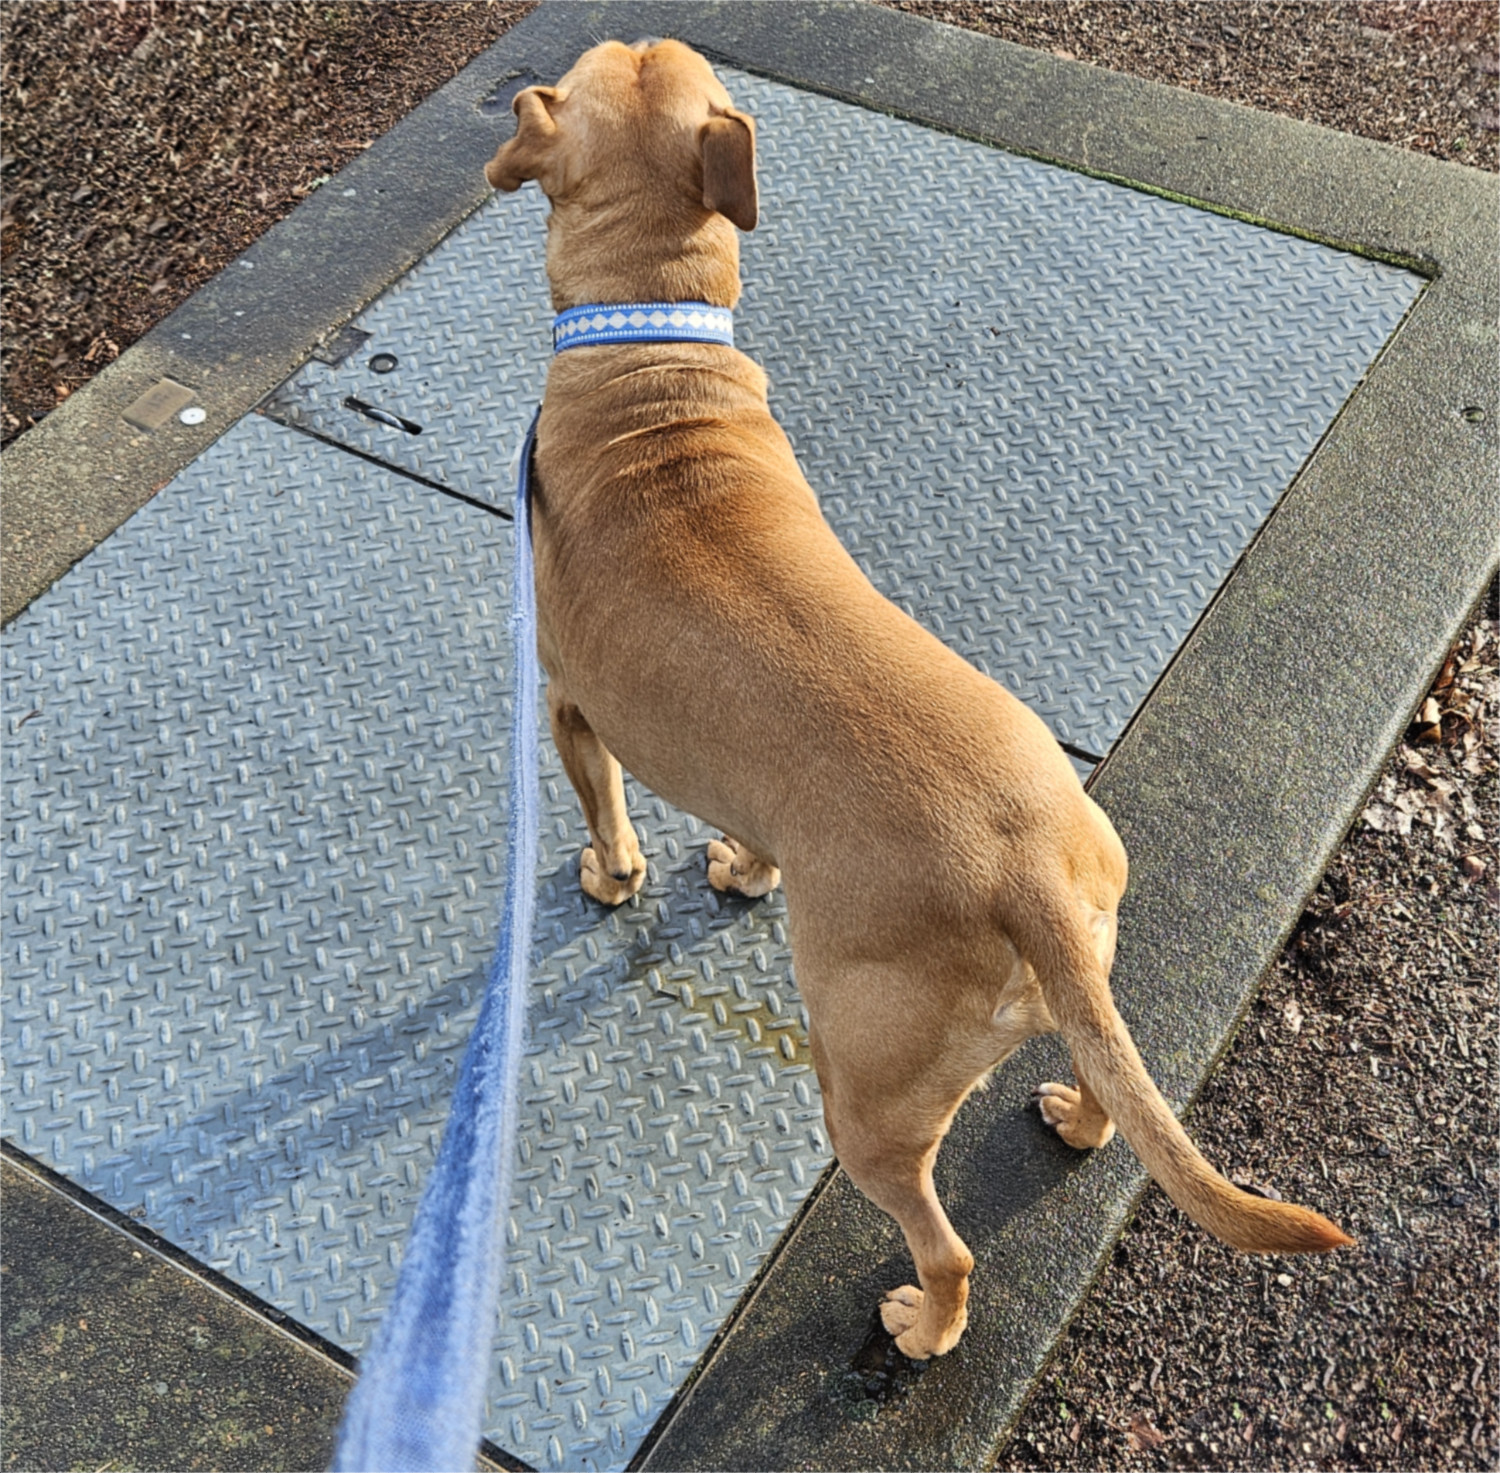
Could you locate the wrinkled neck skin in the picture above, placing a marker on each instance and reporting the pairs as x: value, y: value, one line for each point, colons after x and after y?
x: 631, y: 253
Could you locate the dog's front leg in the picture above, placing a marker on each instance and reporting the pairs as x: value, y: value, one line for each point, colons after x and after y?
x: 734, y: 867
x: 613, y: 868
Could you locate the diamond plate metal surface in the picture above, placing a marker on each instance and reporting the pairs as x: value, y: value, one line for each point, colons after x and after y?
x: 1046, y: 413
x: 254, y: 788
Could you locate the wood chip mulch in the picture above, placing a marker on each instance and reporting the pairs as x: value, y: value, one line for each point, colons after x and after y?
x: 145, y: 143
x: 1416, y: 73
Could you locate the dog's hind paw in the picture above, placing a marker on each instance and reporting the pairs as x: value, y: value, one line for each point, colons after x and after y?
x: 900, y: 1308
x: 900, y: 1312
x: 606, y: 888
x: 734, y: 868
x: 1064, y: 1109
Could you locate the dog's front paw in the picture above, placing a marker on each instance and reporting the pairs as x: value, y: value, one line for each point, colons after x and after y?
x: 734, y: 868
x: 901, y: 1312
x: 1063, y: 1108
x: 607, y: 888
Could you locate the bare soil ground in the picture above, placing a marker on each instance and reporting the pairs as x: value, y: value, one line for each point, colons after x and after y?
x: 147, y: 142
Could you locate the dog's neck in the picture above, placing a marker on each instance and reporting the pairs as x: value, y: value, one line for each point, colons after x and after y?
x: 596, y: 257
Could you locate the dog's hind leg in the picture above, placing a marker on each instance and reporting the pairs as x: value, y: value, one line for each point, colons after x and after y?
x: 888, y: 1098
x: 889, y: 1158
x: 613, y: 868
x: 892, y: 1077
x: 1076, y: 1114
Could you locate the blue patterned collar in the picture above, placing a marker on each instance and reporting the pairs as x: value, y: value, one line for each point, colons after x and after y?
x: 643, y: 322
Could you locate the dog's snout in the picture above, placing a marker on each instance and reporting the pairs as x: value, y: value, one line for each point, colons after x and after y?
x: 645, y: 43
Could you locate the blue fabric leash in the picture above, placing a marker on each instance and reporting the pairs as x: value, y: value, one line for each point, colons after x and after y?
x: 420, y: 1395
x: 418, y: 1403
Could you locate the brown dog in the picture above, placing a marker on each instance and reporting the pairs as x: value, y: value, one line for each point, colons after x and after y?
x: 950, y: 888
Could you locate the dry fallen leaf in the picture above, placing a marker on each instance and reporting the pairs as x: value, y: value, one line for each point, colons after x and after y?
x: 1446, y: 674
x: 1141, y: 1436
x: 1387, y: 820
x: 1415, y: 762
x: 1294, y: 1016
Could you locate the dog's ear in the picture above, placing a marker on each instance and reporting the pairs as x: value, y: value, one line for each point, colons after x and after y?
x: 727, y: 141
x: 525, y: 156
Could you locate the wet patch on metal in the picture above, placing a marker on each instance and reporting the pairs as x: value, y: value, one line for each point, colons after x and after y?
x: 1046, y: 413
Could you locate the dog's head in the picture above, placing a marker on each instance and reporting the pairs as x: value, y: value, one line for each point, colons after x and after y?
x: 647, y: 162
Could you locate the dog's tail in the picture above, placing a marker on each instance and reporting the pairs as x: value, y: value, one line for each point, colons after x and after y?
x: 1106, y: 1056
